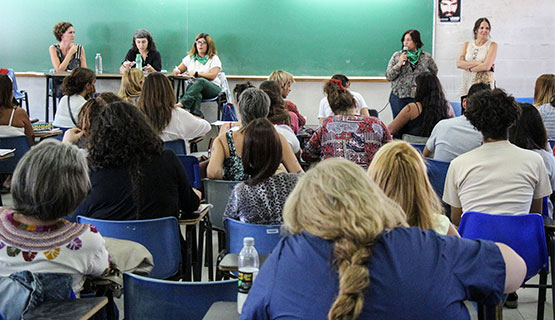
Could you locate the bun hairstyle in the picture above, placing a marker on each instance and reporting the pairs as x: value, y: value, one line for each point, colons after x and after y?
x: 60, y: 28
x: 338, y: 202
x: 262, y: 151
x: 6, y: 91
x: 75, y: 83
x: 340, y: 99
x: 277, y: 114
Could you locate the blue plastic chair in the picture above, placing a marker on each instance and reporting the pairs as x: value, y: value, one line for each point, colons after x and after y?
x: 551, y: 143
x: 265, y: 237
x: 419, y: 146
x: 146, y: 298
x: 525, y: 100
x: 437, y: 170
x: 21, y: 145
x: 19, y: 95
x: 456, y: 108
x: 192, y: 167
x: 177, y: 146
x: 160, y: 236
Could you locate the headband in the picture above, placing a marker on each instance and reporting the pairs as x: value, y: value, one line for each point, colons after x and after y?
x: 339, y: 85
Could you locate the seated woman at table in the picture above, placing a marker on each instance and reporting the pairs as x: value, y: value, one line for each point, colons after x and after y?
x: 66, y: 55
x: 49, y: 182
x: 77, y: 88
x: 14, y: 121
x: 346, y: 134
x: 201, y: 63
x: 157, y: 102
x: 399, y: 170
x: 350, y: 254
x: 420, y: 117
x: 278, y: 115
x: 132, y: 177
x: 131, y: 85
x: 144, y: 45
x: 260, y: 199
x: 285, y: 79
x: 225, y: 161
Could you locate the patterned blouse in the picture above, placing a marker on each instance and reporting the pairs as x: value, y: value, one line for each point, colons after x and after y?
x: 353, y: 137
x: 66, y: 248
x: 261, y: 203
x: 402, y: 78
x: 233, y: 165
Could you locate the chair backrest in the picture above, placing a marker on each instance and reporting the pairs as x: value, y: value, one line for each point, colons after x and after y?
x: 437, y: 170
x: 414, y: 139
x: 21, y: 146
x: 217, y: 193
x: 529, y: 100
x: 177, y: 146
x: 524, y: 233
x: 146, y: 298
x: 456, y: 108
x: 551, y: 143
x: 192, y: 167
x: 265, y: 236
x: 160, y: 236
x: 225, y: 87
x: 419, y: 146
x: 545, y: 206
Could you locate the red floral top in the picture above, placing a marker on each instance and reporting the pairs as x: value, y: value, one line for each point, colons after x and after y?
x: 290, y: 106
x: 353, y: 137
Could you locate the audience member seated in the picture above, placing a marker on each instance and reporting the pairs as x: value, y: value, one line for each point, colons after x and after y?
x: 132, y: 177
x: 419, y: 118
x: 278, y: 114
x: 544, y: 99
x: 157, y: 102
x: 14, y: 121
x: 131, y: 85
x: 77, y: 88
x: 351, y: 255
x: 399, y: 170
x: 497, y: 177
x: 284, y: 79
x: 225, y: 161
x: 49, y: 182
x: 260, y: 199
x: 325, y: 110
x: 346, y: 134
x: 453, y: 137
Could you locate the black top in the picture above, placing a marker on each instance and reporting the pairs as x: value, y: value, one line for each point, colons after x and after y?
x: 153, y: 58
x: 164, y: 191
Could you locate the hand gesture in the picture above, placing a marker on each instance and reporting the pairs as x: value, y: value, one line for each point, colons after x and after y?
x: 402, y: 59
x: 72, y: 49
x: 72, y: 135
x: 149, y: 68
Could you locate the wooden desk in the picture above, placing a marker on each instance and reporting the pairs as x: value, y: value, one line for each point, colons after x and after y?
x: 47, y: 133
x: 222, y: 310
x: 194, y: 249
x: 231, y: 261
x: 68, y: 310
x: 6, y: 156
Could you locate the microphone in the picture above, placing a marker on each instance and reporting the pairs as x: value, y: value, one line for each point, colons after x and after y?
x: 405, y: 49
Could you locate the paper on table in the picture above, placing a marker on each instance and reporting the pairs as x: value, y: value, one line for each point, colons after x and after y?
x: 221, y: 123
x: 4, y: 152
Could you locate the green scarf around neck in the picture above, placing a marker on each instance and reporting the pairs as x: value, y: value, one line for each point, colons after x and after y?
x: 203, y: 60
x: 413, y: 56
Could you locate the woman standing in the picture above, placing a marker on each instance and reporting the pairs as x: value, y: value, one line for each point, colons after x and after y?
x: 477, y: 57
x: 66, y: 55
x: 403, y: 68
x: 203, y: 64
x: 145, y: 46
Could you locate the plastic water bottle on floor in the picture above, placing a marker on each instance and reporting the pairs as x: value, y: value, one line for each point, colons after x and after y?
x: 248, y: 270
x: 139, y: 61
x: 98, y: 63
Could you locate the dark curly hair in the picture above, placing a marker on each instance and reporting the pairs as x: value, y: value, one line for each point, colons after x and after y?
x: 60, y: 28
x: 75, y: 83
x: 529, y: 131
x: 492, y: 113
x: 434, y: 105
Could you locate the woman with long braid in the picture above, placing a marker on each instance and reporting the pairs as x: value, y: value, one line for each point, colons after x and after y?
x: 351, y: 255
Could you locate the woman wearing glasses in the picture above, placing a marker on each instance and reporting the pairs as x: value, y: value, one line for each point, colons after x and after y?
x: 201, y: 63
x: 478, y: 57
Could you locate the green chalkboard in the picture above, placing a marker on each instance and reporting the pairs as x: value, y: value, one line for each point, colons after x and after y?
x: 253, y: 37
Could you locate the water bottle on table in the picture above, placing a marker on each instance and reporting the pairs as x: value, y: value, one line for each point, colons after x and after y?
x: 98, y: 63
x: 248, y: 270
x: 139, y: 61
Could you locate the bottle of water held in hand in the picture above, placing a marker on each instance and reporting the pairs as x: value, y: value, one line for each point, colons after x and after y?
x: 139, y: 62
x: 248, y: 269
x: 98, y: 63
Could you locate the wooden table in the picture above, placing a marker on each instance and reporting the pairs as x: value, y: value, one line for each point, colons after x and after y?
x: 194, y: 250
x: 222, y: 310
x: 47, y: 133
x: 68, y: 310
x: 7, y: 155
x: 231, y: 261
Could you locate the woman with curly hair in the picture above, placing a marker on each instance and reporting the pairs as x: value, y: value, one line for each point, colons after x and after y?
x: 497, y: 177
x: 420, y: 117
x: 77, y: 88
x: 66, y: 55
x: 350, y: 255
x: 398, y: 168
x: 132, y: 177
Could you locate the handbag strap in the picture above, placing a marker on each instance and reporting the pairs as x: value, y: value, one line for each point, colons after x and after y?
x: 69, y: 110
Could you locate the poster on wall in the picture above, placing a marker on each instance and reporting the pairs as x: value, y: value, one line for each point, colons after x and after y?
x: 449, y: 10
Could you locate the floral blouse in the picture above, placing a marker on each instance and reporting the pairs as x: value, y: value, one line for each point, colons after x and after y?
x: 402, y: 78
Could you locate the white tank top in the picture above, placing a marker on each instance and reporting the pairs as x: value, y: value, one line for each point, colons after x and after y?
x: 9, y: 130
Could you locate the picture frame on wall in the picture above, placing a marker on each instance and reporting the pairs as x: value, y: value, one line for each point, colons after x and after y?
x: 449, y: 10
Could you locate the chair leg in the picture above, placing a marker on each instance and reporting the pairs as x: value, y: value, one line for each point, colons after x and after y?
x: 209, y: 250
x: 551, y: 247
x: 196, y: 273
x: 541, y: 294
x: 189, y: 255
x: 200, y: 250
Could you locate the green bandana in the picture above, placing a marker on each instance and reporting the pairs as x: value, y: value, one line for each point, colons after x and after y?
x: 413, y: 56
x: 205, y: 59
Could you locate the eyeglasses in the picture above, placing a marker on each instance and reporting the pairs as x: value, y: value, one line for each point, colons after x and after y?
x: 200, y: 42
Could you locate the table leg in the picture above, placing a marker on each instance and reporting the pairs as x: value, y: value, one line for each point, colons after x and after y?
x: 47, y: 100
x: 189, y: 258
x: 194, y: 254
x: 209, y: 249
x: 200, y: 264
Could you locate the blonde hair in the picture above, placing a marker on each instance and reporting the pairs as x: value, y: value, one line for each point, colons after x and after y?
x: 210, y: 52
x: 400, y: 171
x: 336, y: 201
x: 283, y: 78
x: 131, y: 85
x: 544, y: 90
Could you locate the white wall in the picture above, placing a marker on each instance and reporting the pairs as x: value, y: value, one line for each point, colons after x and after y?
x: 524, y: 31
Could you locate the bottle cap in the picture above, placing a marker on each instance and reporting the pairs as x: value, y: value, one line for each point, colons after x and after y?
x: 248, y: 241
